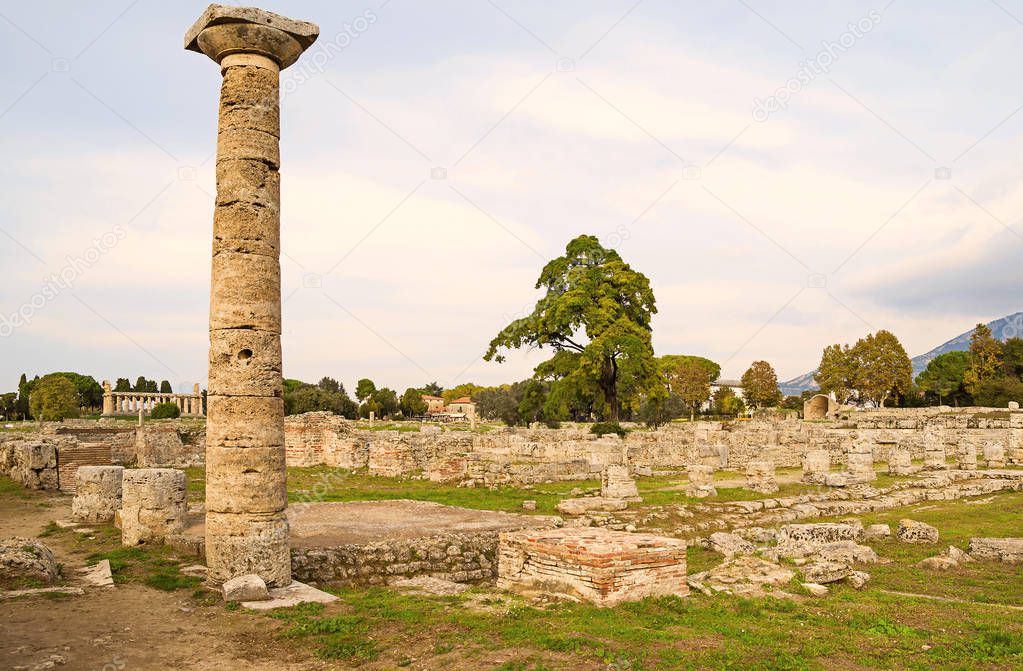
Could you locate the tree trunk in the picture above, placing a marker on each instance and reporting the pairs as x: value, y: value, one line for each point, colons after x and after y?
x: 609, y: 387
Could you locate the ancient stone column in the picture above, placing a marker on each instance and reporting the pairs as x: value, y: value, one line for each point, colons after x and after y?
x: 108, y: 399
x: 816, y: 464
x: 246, y: 498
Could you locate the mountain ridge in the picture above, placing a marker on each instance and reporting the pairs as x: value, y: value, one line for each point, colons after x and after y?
x: 1004, y: 328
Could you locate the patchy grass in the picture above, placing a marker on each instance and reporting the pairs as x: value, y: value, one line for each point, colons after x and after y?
x: 332, y: 484
x: 154, y: 566
x: 846, y: 630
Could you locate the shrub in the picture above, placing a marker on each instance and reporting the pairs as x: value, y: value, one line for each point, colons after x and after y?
x: 603, y: 428
x: 552, y: 424
x: 165, y: 411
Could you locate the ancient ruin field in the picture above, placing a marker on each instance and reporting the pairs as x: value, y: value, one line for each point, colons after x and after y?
x: 967, y: 617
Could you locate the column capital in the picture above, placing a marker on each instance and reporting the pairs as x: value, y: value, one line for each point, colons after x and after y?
x: 224, y: 30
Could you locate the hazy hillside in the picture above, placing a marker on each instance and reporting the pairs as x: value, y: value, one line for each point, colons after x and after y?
x: 1004, y: 328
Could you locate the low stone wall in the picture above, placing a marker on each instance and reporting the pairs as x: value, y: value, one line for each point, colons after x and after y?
x: 166, y: 443
x: 29, y: 461
x: 455, y: 557
x: 523, y: 456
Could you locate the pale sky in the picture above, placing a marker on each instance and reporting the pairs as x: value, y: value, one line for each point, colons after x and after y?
x: 436, y: 155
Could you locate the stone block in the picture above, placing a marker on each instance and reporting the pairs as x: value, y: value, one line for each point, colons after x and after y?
x: 97, y: 493
x: 700, y: 481
x: 877, y: 532
x: 900, y: 462
x: 248, y: 587
x: 760, y: 477
x: 154, y: 504
x: 994, y: 455
x: 1008, y: 550
x: 616, y: 483
x: 247, y: 479
x: 603, y: 566
x: 241, y: 302
x: 816, y: 464
x: 861, y: 466
x: 966, y: 456
x: 244, y: 421
x: 911, y: 531
x: 238, y: 544
x: 244, y: 362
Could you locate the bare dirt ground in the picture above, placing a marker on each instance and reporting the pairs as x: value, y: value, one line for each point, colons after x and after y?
x: 128, y: 626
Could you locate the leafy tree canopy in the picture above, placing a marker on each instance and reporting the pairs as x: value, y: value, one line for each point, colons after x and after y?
x: 760, y: 385
x: 54, y: 397
x: 598, y: 307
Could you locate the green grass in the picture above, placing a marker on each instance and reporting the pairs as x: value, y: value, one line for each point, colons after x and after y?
x: 847, y: 630
x: 153, y: 566
x: 331, y: 484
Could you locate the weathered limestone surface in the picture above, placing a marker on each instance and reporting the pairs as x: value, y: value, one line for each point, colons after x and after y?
x: 900, y: 462
x: 1008, y: 550
x: 97, y: 493
x: 245, y: 588
x: 615, y: 483
x: 816, y: 464
x: 246, y: 525
x: 860, y: 460
x: 30, y: 462
x: 700, y: 481
x: 602, y: 566
x: 760, y: 477
x: 934, y: 448
x: 588, y: 504
x: 24, y: 561
x: 994, y: 455
x: 966, y: 456
x: 154, y: 505
x: 911, y: 531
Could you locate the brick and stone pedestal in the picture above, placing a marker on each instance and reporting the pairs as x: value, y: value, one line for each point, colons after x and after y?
x: 153, y: 505
x: 616, y: 483
x: 97, y: 493
x: 246, y: 499
x: 760, y: 477
x: 816, y: 464
x: 900, y: 462
x: 602, y: 566
x: 701, y: 481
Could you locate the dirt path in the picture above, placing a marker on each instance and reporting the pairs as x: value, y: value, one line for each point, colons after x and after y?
x: 129, y: 626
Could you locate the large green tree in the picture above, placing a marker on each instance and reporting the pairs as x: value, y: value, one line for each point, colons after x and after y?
x: 760, y: 385
x: 54, y: 397
x: 985, y: 358
x: 944, y: 376
x: 883, y: 368
x: 412, y: 403
x: 836, y: 373
x: 690, y: 380
x: 21, y: 406
x: 597, y: 306
x: 364, y: 388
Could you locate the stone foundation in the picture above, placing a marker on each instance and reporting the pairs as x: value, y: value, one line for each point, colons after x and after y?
x: 602, y: 566
x: 97, y: 493
x: 153, y: 505
x: 1009, y: 550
